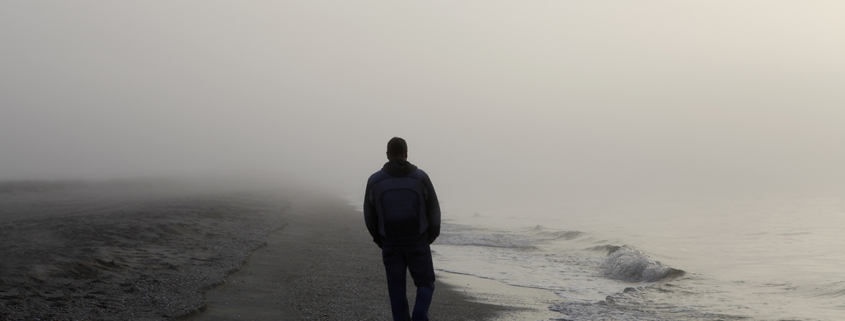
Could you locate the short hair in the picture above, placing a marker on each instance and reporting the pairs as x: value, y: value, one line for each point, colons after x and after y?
x: 396, y: 147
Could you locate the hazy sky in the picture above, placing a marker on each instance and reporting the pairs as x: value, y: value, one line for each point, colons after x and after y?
x: 506, y: 100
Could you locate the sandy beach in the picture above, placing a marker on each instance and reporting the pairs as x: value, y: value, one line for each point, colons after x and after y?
x: 164, y: 251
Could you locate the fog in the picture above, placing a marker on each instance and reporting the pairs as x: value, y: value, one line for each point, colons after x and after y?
x: 501, y: 102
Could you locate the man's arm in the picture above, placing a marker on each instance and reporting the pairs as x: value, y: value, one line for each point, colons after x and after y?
x: 432, y: 207
x: 371, y: 216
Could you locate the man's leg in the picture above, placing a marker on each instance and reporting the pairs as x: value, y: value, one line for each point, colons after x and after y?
x: 395, y: 265
x: 422, y: 271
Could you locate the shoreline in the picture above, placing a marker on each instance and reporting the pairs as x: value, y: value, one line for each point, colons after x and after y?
x: 526, y: 304
x: 323, y: 266
x: 167, y: 254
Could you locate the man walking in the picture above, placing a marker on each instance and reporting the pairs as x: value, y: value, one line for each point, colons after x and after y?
x: 403, y: 216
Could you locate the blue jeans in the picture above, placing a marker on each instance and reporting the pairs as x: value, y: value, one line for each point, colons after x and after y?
x: 415, y: 258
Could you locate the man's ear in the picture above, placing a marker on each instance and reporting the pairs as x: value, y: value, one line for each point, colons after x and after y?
x: 388, y: 155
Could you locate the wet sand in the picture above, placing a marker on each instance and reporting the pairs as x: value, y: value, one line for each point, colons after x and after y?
x: 157, y: 251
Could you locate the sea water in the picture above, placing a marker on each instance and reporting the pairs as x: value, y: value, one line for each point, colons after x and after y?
x: 763, y: 259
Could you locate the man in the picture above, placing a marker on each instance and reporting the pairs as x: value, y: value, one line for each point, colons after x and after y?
x: 403, y: 216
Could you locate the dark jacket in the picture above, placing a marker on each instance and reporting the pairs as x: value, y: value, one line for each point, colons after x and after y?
x: 400, y: 205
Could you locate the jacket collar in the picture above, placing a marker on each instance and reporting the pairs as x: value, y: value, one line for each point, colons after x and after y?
x: 398, y: 167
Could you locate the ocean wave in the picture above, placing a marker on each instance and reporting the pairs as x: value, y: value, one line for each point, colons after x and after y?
x: 546, y: 233
x: 610, y: 249
x: 528, y: 238
x: 830, y: 290
x: 634, y: 305
x: 630, y: 265
x: 487, y: 240
x: 564, y: 235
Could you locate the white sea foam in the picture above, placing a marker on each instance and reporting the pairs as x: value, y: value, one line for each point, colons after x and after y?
x: 634, y: 266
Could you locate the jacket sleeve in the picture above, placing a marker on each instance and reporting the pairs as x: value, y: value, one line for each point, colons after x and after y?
x: 370, y: 215
x: 432, y: 206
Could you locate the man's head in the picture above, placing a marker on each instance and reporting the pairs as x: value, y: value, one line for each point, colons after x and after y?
x: 397, y: 148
